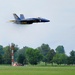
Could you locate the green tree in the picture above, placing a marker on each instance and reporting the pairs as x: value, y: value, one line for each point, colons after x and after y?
x: 7, y: 55
x: 1, y: 59
x: 44, y: 49
x: 50, y: 56
x: 34, y: 56
x: 60, y: 49
x: 71, y: 58
x: 22, y: 52
x: 60, y: 59
x: 21, y: 59
x: 72, y: 53
x: 1, y: 50
x: 1, y: 54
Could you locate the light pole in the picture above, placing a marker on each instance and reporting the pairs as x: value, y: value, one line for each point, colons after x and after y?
x: 12, y: 53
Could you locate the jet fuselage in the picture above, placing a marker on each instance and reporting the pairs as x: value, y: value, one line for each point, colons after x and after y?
x: 22, y: 20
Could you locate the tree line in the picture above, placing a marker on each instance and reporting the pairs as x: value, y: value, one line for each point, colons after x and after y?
x: 44, y: 53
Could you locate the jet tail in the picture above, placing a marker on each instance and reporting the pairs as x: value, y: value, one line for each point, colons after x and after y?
x: 22, y: 17
x: 16, y: 17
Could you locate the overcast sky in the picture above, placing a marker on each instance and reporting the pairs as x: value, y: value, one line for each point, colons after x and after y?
x: 60, y: 31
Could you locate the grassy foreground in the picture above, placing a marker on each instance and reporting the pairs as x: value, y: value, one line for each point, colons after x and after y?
x: 37, y: 70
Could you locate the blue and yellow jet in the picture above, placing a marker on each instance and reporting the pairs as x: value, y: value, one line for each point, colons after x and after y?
x: 22, y: 20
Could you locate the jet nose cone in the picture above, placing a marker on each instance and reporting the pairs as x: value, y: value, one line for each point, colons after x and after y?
x: 45, y: 20
x: 48, y: 21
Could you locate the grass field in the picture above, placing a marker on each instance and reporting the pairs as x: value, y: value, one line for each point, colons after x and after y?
x: 37, y: 70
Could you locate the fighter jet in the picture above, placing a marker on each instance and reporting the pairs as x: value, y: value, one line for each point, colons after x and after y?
x: 23, y: 20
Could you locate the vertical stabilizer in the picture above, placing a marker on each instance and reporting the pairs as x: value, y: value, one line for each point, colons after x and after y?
x: 16, y: 17
x: 22, y: 17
